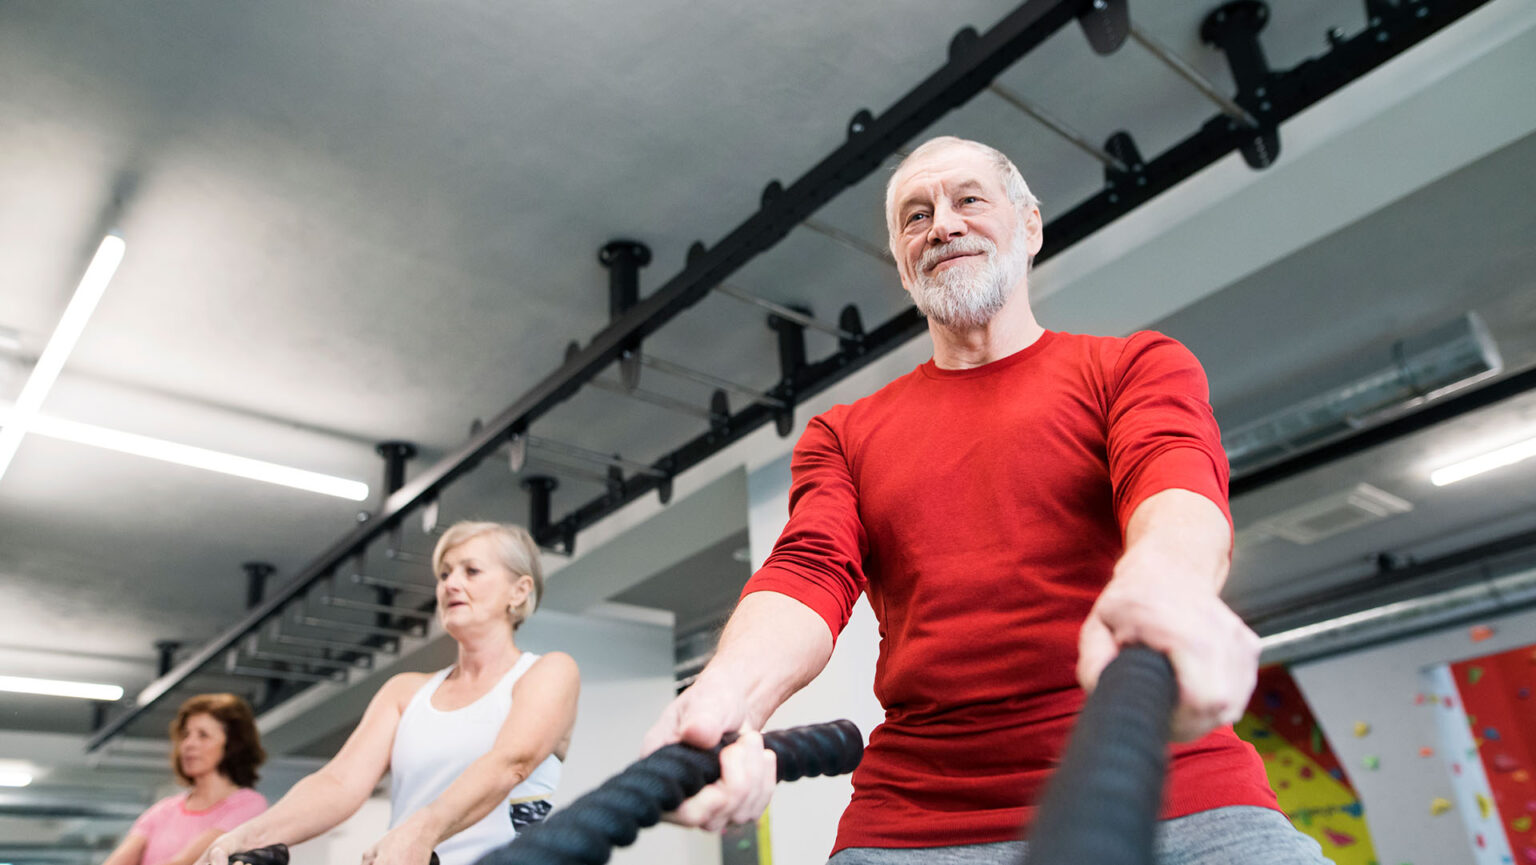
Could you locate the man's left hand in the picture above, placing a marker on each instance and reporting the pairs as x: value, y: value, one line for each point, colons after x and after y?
x: 1214, y: 654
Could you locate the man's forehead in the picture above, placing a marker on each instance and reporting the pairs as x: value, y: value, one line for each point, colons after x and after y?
x: 953, y: 166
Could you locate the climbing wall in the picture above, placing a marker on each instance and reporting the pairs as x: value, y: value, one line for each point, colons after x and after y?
x: 1313, y: 788
x: 1487, y: 725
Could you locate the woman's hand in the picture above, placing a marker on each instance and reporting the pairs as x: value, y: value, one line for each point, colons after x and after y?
x: 406, y: 844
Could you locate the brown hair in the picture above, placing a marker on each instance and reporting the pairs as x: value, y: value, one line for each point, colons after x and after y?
x: 242, y: 744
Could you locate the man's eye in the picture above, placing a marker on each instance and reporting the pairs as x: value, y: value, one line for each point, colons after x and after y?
x: 915, y: 217
x: 969, y: 199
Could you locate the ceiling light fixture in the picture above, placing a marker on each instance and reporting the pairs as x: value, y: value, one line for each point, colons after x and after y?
x: 1485, y: 462
x: 71, y: 324
x: 61, y: 688
x: 194, y: 457
x: 12, y: 778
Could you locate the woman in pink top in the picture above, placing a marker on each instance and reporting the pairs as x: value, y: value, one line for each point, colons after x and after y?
x: 215, y: 750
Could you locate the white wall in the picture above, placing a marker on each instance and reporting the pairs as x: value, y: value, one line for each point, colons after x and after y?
x: 1378, y: 686
x: 804, y: 814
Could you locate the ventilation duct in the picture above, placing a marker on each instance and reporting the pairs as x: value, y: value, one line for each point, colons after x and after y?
x: 1422, y: 368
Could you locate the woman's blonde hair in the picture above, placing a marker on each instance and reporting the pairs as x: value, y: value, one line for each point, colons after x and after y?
x: 518, y: 551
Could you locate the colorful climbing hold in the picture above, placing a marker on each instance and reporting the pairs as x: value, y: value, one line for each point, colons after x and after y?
x: 1338, y: 839
x: 1418, y: 699
x: 1490, y: 734
x: 1362, y: 729
x: 1521, y: 823
x: 1523, y: 693
x: 1505, y: 763
x: 1317, y: 740
x: 1439, y: 806
x: 1447, y: 702
x: 1484, y: 806
x: 1354, y: 809
x: 1273, y: 700
x: 1521, y: 776
x: 1371, y: 762
x: 1474, y: 675
x: 1426, y: 751
x: 1480, y: 633
x: 1305, y: 772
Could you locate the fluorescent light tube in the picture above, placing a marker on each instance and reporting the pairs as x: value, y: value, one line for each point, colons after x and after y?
x: 60, y: 688
x: 103, y: 265
x: 1495, y: 459
x: 195, y: 457
x: 13, y: 778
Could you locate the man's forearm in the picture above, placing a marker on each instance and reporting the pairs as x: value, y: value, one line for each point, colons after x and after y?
x: 772, y: 647
x: 1181, y: 532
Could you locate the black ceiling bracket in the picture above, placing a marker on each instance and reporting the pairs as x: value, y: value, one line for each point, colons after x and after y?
x: 165, y: 655
x: 719, y: 412
x: 1127, y: 184
x: 791, y: 365
x: 540, y: 488
x: 1106, y: 23
x: 624, y: 258
x: 256, y: 574
x: 851, y: 323
x: 1234, y: 28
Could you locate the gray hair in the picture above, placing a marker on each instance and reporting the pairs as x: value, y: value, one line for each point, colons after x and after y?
x: 1013, y: 181
x: 518, y: 551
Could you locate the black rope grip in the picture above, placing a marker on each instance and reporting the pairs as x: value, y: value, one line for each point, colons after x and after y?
x: 277, y: 854
x: 586, y: 831
x: 1102, y: 804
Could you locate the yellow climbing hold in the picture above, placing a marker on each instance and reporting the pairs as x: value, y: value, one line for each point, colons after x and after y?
x: 1439, y: 806
x: 1362, y: 729
x: 1521, y: 823
x: 1484, y: 806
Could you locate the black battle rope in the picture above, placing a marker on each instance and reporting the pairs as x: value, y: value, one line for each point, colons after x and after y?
x: 277, y: 854
x: 586, y: 831
x: 1101, y: 806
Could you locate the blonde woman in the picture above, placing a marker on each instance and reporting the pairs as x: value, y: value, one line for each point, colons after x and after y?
x: 473, y: 750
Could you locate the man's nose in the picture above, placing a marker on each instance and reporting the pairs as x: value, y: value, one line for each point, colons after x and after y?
x: 946, y: 225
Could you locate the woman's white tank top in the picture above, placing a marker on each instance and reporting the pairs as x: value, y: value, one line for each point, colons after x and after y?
x: 432, y: 748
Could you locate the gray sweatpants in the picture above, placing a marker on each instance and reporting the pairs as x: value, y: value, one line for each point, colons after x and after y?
x: 1238, y: 834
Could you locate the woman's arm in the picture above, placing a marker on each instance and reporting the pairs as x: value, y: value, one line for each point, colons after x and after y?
x: 543, y: 712
x: 130, y: 852
x: 324, y: 799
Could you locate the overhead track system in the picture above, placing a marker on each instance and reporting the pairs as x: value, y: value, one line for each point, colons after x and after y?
x: 1247, y: 122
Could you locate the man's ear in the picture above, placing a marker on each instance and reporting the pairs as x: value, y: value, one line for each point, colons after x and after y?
x: 1034, y: 231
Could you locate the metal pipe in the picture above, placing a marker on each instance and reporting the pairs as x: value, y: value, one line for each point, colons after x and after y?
x: 785, y: 312
x: 308, y: 661
x: 1190, y: 74
x: 1071, y: 135
x: 549, y: 466
x: 655, y: 399
x: 397, y: 585
x: 277, y: 636
x: 598, y: 457
x: 333, y: 625
x: 366, y: 607
x: 681, y: 371
x: 406, y: 556
x: 857, y: 244
x: 285, y: 675
x: 1389, y: 621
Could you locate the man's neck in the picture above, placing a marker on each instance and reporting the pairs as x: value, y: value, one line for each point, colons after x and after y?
x: 1010, y: 331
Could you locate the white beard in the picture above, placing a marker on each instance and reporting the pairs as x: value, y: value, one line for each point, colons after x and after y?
x: 968, y: 294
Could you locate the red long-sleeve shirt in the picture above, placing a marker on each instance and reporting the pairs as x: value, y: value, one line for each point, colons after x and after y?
x: 982, y: 510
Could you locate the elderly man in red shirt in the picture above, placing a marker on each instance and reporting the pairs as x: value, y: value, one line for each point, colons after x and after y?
x: 1016, y: 508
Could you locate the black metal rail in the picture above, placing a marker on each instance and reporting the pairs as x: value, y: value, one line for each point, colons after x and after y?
x: 974, y: 61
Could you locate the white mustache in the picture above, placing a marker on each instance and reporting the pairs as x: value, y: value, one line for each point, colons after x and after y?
x: 960, y: 246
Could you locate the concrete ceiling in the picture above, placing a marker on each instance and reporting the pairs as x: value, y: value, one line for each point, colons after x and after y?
x: 352, y: 223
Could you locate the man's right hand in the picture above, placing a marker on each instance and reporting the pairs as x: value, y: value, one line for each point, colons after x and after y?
x: 700, y: 716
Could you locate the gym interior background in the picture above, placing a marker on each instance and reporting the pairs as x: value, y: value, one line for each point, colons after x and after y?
x: 363, y: 240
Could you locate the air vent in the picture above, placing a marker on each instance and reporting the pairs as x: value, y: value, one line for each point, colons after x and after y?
x: 1333, y: 515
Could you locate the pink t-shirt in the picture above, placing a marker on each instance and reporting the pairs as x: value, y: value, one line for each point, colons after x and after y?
x: 169, y: 825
